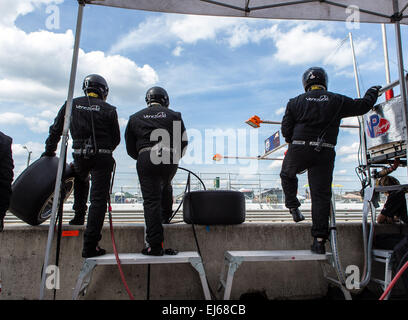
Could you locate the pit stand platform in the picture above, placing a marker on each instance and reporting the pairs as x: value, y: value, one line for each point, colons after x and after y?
x: 89, y: 265
x: 233, y: 259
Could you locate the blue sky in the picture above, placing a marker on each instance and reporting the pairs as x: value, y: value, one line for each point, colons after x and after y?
x: 217, y: 71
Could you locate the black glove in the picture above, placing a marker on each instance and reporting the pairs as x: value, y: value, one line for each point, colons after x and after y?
x: 376, y: 88
x: 48, y: 154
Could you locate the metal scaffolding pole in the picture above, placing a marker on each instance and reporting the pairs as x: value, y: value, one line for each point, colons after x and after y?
x: 402, y: 79
x: 63, y: 147
x: 386, y: 59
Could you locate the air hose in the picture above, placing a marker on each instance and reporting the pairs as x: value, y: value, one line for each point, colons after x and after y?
x: 394, y: 281
x: 122, y: 276
x: 333, y: 243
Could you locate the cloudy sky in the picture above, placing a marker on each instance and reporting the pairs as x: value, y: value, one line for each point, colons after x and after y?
x: 217, y: 71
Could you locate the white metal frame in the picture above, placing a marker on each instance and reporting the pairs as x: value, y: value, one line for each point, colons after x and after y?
x: 383, y: 256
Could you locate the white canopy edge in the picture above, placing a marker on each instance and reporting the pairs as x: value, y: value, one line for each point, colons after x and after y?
x: 370, y: 11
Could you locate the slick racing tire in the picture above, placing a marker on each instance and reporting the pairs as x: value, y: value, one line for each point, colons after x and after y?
x: 212, y: 207
x: 33, y: 190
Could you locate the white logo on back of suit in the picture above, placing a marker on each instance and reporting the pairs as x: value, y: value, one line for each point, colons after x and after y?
x: 320, y: 99
x: 155, y: 116
x: 94, y: 107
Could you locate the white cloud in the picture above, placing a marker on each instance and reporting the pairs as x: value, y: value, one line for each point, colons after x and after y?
x: 348, y: 149
x: 35, y: 66
x: 10, y: 10
x: 280, y: 111
x: 35, y: 147
x: 275, y: 164
x: 307, y: 43
x: 189, y: 29
x: 351, y: 121
x: 177, y: 51
x: 350, y: 158
x: 122, y: 122
x: 35, y: 124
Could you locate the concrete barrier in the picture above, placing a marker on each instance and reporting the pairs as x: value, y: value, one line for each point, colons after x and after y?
x: 22, y: 253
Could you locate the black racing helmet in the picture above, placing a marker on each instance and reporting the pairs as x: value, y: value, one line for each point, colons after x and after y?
x: 159, y: 95
x: 315, y: 76
x: 97, y: 84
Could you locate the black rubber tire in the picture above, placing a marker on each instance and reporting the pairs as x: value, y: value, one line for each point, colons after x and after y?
x: 212, y: 207
x: 33, y: 190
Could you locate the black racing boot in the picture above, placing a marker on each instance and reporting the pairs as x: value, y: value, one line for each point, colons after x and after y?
x: 78, y: 220
x: 296, y: 214
x: 171, y: 252
x: 1, y: 224
x: 93, y: 252
x: 318, y: 246
x: 153, y: 250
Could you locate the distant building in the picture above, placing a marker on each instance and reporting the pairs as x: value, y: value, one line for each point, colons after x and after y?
x: 119, y: 197
x: 248, y: 193
x: 273, y: 195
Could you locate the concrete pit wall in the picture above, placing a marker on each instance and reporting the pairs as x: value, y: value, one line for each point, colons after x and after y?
x: 22, y: 253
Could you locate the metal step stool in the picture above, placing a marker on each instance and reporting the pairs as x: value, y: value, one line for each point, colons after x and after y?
x: 233, y: 259
x: 89, y: 265
x: 383, y: 256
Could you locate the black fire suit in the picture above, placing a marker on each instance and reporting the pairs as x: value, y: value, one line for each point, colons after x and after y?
x: 306, y: 117
x: 6, y: 174
x: 99, y: 165
x: 155, y: 178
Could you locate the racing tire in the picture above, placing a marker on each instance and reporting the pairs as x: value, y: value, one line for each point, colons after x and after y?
x: 33, y: 190
x: 214, y: 207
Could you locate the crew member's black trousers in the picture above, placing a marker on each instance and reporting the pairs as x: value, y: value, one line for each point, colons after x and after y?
x: 155, y: 182
x: 319, y: 167
x: 81, y: 191
x: 100, y: 167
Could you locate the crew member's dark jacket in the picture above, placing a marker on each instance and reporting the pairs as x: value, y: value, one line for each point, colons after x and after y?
x: 396, y: 206
x: 143, y: 123
x: 6, y: 172
x: 308, y: 114
x: 107, y: 132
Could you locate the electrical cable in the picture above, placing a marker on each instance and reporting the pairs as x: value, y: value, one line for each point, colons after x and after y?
x: 185, y: 190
